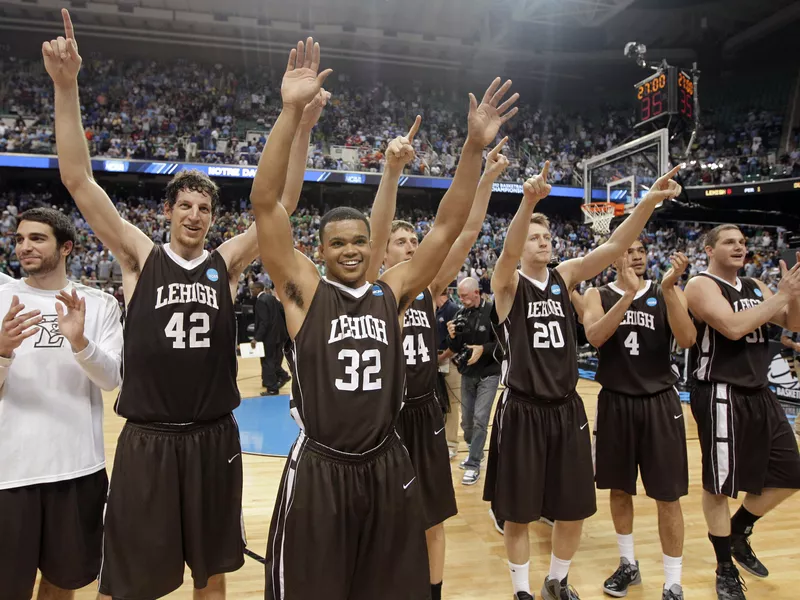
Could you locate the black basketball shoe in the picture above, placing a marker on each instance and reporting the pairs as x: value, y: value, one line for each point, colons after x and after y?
x: 625, y: 576
x: 673, y: 593
x: 523, y: 596
x: 730, y: 585
x: 553, y: 589
x: 744, y: 555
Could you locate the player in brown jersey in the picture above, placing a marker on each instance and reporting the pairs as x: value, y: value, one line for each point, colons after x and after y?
x: 745, y: 437
x: 540, y: 450
x: 180, y: 369
x: 639, y: 425
x: 348, y: 521
x: 421, y: 424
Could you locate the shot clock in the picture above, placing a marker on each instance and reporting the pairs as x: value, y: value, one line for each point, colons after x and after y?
x: 669, y: 91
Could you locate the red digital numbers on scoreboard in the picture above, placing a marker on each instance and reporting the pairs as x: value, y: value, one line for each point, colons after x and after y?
x: 685, y: 95
x: 653, y: 97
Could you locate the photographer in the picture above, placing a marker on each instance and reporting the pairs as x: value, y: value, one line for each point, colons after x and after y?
x: 472, y: 340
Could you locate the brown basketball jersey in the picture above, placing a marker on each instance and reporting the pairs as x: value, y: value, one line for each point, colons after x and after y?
x: 636, y: 360
x: 743, y: 362
x: 539, y: 340
x: 348, y: 368
x: 179, y: 353
x: 419, y: 346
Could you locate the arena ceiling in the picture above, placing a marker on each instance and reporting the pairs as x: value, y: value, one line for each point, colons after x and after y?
x: 543, y: 37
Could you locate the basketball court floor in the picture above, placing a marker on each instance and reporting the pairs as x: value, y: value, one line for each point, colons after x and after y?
x: 476, y: 565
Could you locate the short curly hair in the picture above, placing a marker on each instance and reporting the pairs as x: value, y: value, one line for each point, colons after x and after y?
x: 192, y: 181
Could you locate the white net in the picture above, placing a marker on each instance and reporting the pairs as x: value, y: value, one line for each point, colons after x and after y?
x: 599, y: 214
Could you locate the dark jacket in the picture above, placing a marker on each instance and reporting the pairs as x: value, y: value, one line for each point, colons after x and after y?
x: 270, y: 321
x: 444, y: 315
x: 478, y: 332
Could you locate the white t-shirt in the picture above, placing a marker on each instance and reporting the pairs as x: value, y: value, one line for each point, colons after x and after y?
x: 5, y: 279
x: 51, y: 404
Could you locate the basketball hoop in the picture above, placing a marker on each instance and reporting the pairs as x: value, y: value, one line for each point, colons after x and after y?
x: 599, y: 214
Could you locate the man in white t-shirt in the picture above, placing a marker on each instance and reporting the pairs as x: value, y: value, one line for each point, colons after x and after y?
x: 60, y: 345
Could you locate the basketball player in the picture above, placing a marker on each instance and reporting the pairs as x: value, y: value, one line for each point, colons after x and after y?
x: 60, y: 345
x: 348, y: 523
x: 540, y: 457
x: 639, y: 422
x: 421, y: 424
x: 746, y: 440
x: 176, y: 491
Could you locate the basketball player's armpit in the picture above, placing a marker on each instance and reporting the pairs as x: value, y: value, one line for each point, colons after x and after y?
x: 293, y: 294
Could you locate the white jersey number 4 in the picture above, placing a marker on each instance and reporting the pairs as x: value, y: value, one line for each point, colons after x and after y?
x: 411, y: 353
x: 632, y: 343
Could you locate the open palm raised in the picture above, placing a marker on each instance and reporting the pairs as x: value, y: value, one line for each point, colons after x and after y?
x: 486, y: 118
x: 61, y: 58
x: 302, y: 81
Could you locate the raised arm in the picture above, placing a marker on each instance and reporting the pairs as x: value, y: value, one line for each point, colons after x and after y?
x: 505, y: 277
x: 410, y: 278
x: 399, y: 153
x: 680, y: 322
x: 601, y: 325
x: 496, y: 163
x: 580, y: 269
x: 295, y: 276
x: 241, y: 250
x: 126, y: 242
x: 707, y: 303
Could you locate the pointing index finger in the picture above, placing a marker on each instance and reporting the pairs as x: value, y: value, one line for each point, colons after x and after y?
x: 69, y: 30
x: 546, y: 170
x: 493, y: 153
x: 671, y: 174
x: 414, y: 129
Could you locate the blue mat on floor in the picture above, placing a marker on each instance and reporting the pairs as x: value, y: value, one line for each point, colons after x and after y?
x: 265, y: 425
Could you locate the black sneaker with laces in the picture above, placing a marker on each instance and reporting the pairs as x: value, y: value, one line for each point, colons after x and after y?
x: 744, y: 555
x: 625, y: 576
x: 558, y: 590
x: 730, y: 585
x: 673, y: 593
x: 523, y: 596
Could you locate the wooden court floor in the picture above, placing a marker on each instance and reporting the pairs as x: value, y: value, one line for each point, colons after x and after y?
x: 476, y: 567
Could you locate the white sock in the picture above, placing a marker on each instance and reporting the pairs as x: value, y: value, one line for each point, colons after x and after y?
x: 672, y: 570
x: 558, y: 568
x: 625, y: 543
x: 519, y: 577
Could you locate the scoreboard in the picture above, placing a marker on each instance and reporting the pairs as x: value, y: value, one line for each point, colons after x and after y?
x: 668, y: 92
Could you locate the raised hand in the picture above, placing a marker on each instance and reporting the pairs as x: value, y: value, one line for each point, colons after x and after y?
x: 71, y: 318
x: 61, y: 58
x: 400, y: 150
x: 627, y: 279
x: 496, y: 162
x: 537, y: 188
x: 790, y: 279
x: 17, y: 327
x: 302, y: 81
x: 313, y: 109
x: 679, y: 264
x: 665, y: 187
x: 485, y: 119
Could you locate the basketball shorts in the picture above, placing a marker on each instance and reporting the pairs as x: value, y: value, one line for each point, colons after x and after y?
x: 540, y: 460
x: 746, y: 440
x: 421, y: 427
x: 54, y: 527
x: 347, y: 526
x: 175, y: 497
x: 641, y: 433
